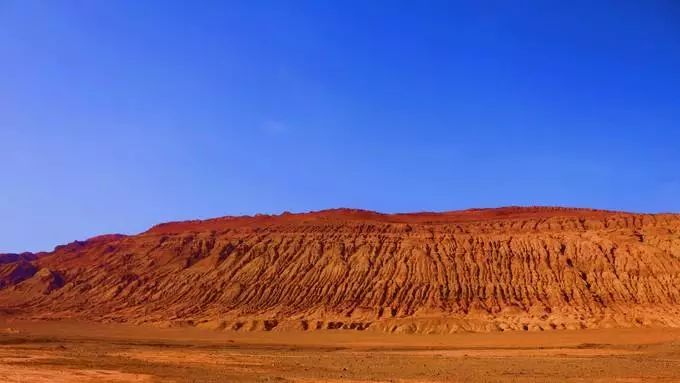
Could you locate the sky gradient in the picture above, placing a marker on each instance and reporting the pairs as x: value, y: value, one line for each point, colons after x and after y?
x: 117, y: 115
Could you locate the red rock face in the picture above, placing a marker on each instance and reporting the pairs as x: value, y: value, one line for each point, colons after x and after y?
x: 474, y: 270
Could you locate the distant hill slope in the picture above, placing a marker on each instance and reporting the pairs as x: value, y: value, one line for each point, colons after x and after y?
x: 533, y: 268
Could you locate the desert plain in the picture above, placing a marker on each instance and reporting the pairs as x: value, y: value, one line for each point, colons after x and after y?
x: 89, y: 352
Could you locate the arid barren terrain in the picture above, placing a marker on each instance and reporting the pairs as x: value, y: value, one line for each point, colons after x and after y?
x: 508, y: 294
x: 67, y: 351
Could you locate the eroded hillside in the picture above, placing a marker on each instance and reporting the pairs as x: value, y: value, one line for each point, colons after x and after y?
x: 475, y: 270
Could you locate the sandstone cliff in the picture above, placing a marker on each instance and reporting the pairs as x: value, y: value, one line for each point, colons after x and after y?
x: 474, y: 270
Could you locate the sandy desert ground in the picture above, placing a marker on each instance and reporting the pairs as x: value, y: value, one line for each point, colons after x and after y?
x: 84, y: 352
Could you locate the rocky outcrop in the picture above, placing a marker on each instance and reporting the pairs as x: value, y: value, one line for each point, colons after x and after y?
x: 13, y: 257
x: 475, y: 270
x: 11, y: 273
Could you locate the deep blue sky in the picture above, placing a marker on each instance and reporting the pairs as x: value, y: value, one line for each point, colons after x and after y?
x: 116, y: 115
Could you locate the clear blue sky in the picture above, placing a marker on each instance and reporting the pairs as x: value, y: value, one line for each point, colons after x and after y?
x: 116, y: 115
